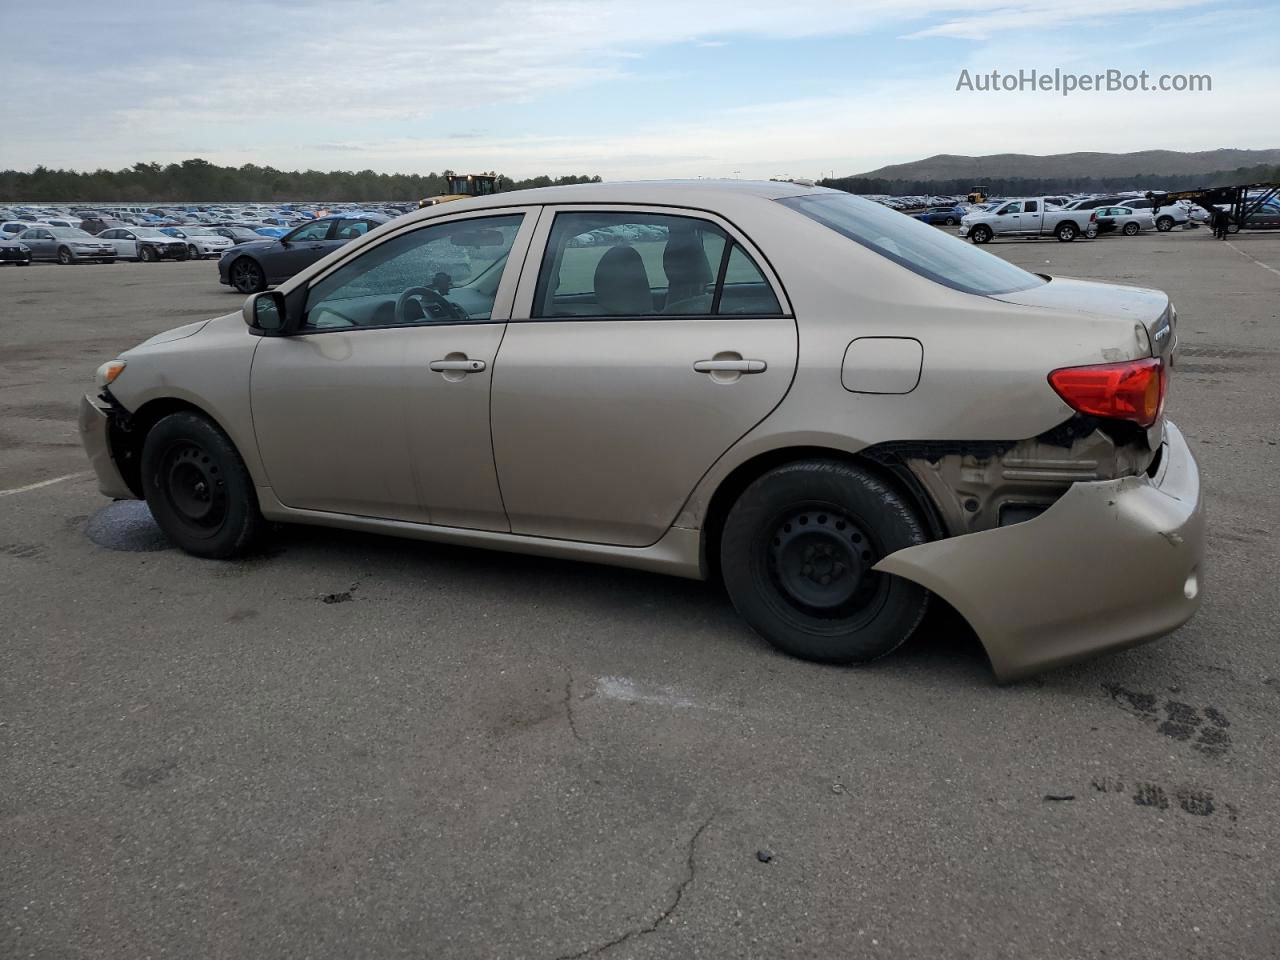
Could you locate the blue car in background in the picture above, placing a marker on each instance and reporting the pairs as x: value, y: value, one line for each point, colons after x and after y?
x: 271, y: 231
x: 944, y: 215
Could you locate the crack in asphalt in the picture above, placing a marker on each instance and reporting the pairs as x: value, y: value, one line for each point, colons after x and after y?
x: 568, y: 709
x: 690, y: 871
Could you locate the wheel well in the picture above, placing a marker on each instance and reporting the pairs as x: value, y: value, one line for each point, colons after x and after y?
x: 129, y: 431
x: 887, y: 469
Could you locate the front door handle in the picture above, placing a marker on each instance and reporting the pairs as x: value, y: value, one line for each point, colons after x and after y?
x: 462, y: 366
x: 730, y: 366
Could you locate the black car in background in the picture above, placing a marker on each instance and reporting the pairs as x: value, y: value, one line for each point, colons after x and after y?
x: 251, y: 267
x: 96, y: 225
x: 14, y: 251
x: 236, y: 234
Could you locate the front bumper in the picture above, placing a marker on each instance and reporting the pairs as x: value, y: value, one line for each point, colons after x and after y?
x: 95, y: 426
x: 1112, y: 564
x: 964, y: 229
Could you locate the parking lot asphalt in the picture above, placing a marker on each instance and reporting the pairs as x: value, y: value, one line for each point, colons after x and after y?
x: 360, y: 747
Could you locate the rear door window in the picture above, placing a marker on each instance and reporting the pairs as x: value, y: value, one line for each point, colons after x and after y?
x: 611, y: 264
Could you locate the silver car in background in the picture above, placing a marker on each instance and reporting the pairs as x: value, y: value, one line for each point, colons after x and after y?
x: 65, y: 245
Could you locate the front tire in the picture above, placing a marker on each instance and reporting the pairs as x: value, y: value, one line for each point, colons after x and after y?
x: 1131, y: 229
x: 796, y: 556
x: 1164, y: 224
x: 65, y: 257
x: 193, y: 253
x: 198, y: 488
x: 980, y: 234
x: 1067, y: 232
x: 147, y: 255
x: 951, y: 221
x: 246, y: 276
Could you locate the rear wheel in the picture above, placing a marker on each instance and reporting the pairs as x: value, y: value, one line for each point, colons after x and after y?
x: 1164, y: 224
x: 147, y: 255
x: 198, y: 488
x: 1067, y: 232
x: 980, y: 234
x: 796, y: 555
x: 64, y: 256
x: 247, y: 276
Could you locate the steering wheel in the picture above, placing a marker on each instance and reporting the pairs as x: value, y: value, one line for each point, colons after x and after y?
x: 433, y: 305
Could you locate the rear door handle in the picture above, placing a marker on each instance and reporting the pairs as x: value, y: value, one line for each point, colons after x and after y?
x: 464, y: 366
x: 730, y: 366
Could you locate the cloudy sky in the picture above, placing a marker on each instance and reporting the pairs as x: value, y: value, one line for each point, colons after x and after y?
x: 651, y: 88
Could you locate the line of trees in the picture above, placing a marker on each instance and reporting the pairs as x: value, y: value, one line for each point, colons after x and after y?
x: 199, y: 180
x: 1040, y: 186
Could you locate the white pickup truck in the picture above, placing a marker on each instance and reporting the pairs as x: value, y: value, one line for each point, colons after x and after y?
x: 1028, y: 217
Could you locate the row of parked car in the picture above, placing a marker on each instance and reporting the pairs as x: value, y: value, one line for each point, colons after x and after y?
x: 104, y: 235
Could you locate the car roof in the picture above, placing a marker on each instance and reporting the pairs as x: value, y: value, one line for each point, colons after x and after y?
x: 643, y: 191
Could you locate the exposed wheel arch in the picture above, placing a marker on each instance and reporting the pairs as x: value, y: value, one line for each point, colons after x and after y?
x: 128, y: 431
x: 743, y: 475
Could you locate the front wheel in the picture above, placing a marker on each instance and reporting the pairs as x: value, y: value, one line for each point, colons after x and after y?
x: 1131, y: 229
x: 1066, y: 232
x: 247, y: 276
x: 64, y: 256
x: 980, y: 234
x: 951, y: 221
x: 147, y: 255
x: 1164, y: 224
x: 193, y: 253
x: 198, y: 488
x: 797, y: 554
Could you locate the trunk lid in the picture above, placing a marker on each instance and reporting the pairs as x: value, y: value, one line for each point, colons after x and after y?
x: 1149, y: 309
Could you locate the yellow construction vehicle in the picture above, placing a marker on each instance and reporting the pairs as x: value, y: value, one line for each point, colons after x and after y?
x: 461, y: 186
x: 979, y: 194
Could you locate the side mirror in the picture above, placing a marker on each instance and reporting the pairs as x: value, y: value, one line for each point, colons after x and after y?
x: 264, y: 313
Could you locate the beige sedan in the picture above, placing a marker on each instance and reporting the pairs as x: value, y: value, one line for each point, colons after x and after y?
x: 840, y: 411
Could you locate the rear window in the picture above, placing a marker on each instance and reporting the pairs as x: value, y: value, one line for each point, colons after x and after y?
x: 913, y: 244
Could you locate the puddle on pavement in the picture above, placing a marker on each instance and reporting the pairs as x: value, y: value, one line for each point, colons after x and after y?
x: 126, y: 525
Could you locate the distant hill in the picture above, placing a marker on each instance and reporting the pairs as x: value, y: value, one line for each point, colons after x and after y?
x: 1161, y: 163
x: 1021, y: 174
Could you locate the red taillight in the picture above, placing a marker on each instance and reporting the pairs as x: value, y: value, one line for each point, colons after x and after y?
x: 1132, y: 390
x: 1093, y: 216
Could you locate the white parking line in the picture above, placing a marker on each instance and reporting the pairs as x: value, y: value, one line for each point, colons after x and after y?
x: 1264, y: 266
x: 42, y: 483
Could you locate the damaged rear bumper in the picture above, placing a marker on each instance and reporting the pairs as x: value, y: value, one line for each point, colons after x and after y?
x: 1111, y: 564
x: 95, y: 425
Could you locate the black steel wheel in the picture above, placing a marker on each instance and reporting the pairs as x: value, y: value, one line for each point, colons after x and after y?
x: 198, y: 488
x: 797, y: 556
x: 246, y: 276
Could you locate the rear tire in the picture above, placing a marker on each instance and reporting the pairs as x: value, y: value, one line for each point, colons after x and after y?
x: 1067, y: 232
x: 980, y: 234
x: 796, y: 557
x: 198, y: 487
x: 1164, y: 224
x: 246, y: 276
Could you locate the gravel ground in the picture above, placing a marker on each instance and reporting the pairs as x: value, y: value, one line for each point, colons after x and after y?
x: 354, y: 746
